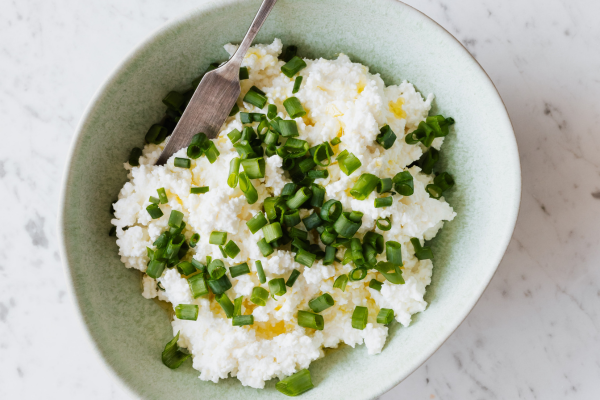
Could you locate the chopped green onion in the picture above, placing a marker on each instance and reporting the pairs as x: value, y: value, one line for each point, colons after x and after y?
x: 384, y: 226
x: 163, y: 240
x: 246, y: 118
x: 357, y: 274
x: 194, y: 240
x: 386, y: 137
x: 238, y: 270
x: 195, y: 148
x: 221, y: 285
x: 289, y: 53
x: 434, y: 191
x: 375, y: 240
x: 156, y: 134
x: 292, y: 279
x: 294, y: 107
x: 312, y: 221
x: 256, y: 97
x: 234, y: 110
x: 242, y: 320
x: 318, y: 174
x: 321, y: 303
x: 175, y: 219
x: 385, y: 185
x: 336, y: 141
x: 260, y: 272
x: 162, y: 195
x: 370, y: 255
x: 197, y: 285
x: 331, y: 210
x: 173, y: 100
x: 219, y: 238
x: 290, y: 218
x: 258, y: 117
x: 329, y: 255
x: 296, y: 384
x: 428, y: 160
x: 307, y: 319
x: 234, y: 168
x: 393, y: 252
x: 306, y: 165
x: 134, y: 156
x: 237, y: 306
x: 154, y: 211
x: 211, y: 152
x: 375, y: 284
x: 345, y: 227
x: 173, y: 357
x: 289, y: 189
x: 298, y: 243
x: 254, y: 167
x: 234, y: 135
x: 348, y: 162
x: 199, y: 266
x: 305, y: 258
x: 384, y: 202
x: 297, y: 147
x: 199, y: 190
x: 364, y: 186
x: 269, y: 204
x: 424, y: 133
x: 272, y: 232
x: 385, y: 316
x: 248, y: 133
x: 226, y: 304
x: 187, y: 312
x: 288, y: 128
x: 154, y: 200
x: 244, y: 149
x: 444, y: 181
x: 318, y: 195
x: 421, y: 252
x: 259, y: 296
x: 277, y: 287
x: 244, y: 73
x: 174, y: 245
x: 357, y: 251
x: 293, y: 66
x: 182, y: 162
x: 265, y: 248
x: 297, y: 84
x: 186, y: 268
x: 262, y: 128
x: 340, y: 282
x: 231, y: 249
x: 404, y: 183
x: 390, y: 272
x: 298, y: 233
x: 257, y: 222
x: 328, y: 235
x: 360, y: 317
x: 301, y: 196
x: 248, y: 189
x: 216, y: 269
x: 155, y: 268
x: 272, y: 111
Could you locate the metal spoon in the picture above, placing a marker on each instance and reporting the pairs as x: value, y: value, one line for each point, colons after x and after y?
x: 215, y: 95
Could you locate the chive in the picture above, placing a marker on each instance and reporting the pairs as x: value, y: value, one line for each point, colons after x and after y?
x: 256, y: 222
x: 385, y: 185
x: 231, y: 249
x: 444, y: 181
x: 297, y: 84
x: 176, y: 231
x: 340, y: 282
x: 199, y: 190
x: 292, y: 279
x: 156, y: 134
x: 384, y: 226
x: 271, y: 111
x: 245, y: 118
x: 197, y: 285
x: 289, y: 189
x: 290, y: 218
x: 259, y: 296
x: 294, y: 107
x: 254, y: 167
x: 298, y: 244
x: 175, y: 219
x: 391, y: 272
x: 312, y: 221
x: 154, y: 200
x: 360, y: 317
x: 424, y: 133
x: 318, y: 195
x: 265, y: 248
x: 357, y: 251
x: 298, y: 233
x: 198, y: 265
x: 195, y: 148
x: 155, y: 268
x: 162, y: 195
x: 428, y: 160
x: 194, y: 240
x: 421, y: 252
x: 364, y: 186
x: 248, y: 189
x: 234, y: 135
x: 187, y: 312
x: 172, y: 356
x: 154, y: 211
x: 269, y: 204
x: 375, y: 240
x: 289, y: 53
x: 288, y: 128
x: 163, y: 240
x: 384, y: 202
x: 277, y: 287
x: 386, y: 137
x: 375, y: 284
x: 244, y: 73
x: 393, y: 252
x: 318, y: 174
x: 357, y: 274
x: 211, y: 152
x: 370, y: 255
x: 256, y: 97
x: 182, y: 162
x: 329, y: 255
x: 321, y: 303
x: 225, y: 304
x: 237, y: 306
x: 301, y: 196
x: 134, y: 157
x: 328, y: 235
x: 307, y: 319
x: 238, y: 270
x: 434, y: 191
x: 248, y: 133
x: 296, y: 384
x: 217, y: 237
x: 174, y: 245
x: 331, y: 210
x: 404, y: 183
x: 348, y: 162
x: 306, y: 165
x: 336, y: 141
x: 271, y: 138
x: 260, y: 272
x: 242, y: 320
x: 234, y: 110
x: 345, y: 227
x: 221, y: 285
x: 385, y: 316
x: 216, y: 269
x: 186, y: 268
x: 244, y: 149
x: 297, y: 147
x: 305, y: 258
x: 293, y: 66
x: 272, y: 232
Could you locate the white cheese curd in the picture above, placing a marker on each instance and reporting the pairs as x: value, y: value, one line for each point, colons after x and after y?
x: 344, y: 100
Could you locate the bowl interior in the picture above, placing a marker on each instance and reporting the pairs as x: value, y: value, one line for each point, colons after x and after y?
x: 393, y: 40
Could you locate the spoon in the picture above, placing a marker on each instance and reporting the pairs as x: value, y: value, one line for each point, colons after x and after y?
x: 216, y: 94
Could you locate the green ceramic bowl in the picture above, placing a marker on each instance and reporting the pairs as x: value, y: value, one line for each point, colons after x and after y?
x: 392, y: 39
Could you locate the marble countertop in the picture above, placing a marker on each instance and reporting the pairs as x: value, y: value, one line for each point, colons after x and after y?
x: 535, y: 333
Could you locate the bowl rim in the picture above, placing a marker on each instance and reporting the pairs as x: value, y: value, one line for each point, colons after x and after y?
x: 147, y: 41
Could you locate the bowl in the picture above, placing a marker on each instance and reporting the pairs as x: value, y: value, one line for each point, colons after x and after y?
x: 391, y: 38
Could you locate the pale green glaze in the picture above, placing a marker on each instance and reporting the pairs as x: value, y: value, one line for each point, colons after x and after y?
x: 394, y: 40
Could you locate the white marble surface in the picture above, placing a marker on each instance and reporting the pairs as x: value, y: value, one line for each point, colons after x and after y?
x: 535, y: 332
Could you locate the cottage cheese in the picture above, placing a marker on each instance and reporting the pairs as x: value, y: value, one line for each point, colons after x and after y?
x: 342, y: 100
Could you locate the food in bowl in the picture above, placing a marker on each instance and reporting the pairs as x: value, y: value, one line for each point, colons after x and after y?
x: 300, y: 227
